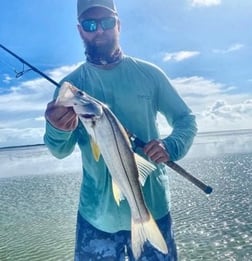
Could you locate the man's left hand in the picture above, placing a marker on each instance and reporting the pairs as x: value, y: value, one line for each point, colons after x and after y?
x: 156, y: 151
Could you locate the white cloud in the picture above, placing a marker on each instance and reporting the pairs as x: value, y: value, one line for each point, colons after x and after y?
x: 205, y: 2
x: 232, y: 48
x: 179, y: 56
x: 216, y: 105
x: 7, y: 79
x: 200, y: 86
x: 22, y: 109
x: 59, y: 73
x: 41, y: 118
x: 227, y: 111
x: 16, y: 136
x: 32, y: 95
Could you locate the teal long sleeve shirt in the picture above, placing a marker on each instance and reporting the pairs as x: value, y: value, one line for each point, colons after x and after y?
x: 135, y: 91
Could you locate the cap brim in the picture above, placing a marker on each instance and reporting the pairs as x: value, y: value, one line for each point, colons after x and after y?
x: 93, y: 6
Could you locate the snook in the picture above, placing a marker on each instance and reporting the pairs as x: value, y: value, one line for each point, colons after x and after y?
x: 126, y: 168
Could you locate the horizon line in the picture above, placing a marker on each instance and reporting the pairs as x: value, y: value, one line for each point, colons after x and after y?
x: 207, y: 133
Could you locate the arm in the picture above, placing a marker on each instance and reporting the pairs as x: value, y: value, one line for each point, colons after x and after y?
x: 60, y: 135
x: 180, y: 140
x: 179, y: 117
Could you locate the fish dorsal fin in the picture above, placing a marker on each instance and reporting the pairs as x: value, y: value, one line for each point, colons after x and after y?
x: 144, y: 168
x: 118, y: 196
x: 95, y: 149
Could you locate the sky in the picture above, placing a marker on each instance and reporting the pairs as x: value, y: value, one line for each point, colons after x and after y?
x: 204, y: 46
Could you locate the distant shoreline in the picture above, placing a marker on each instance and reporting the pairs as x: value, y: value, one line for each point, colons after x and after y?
x: 199, y: 135
x: 22, y: 146
x: 225, y: 132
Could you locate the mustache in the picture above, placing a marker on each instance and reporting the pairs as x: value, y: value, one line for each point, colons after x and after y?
x: 105, y: 48
x: 100, y: 37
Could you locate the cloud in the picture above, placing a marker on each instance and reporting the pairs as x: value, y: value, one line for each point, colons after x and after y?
x: 206, y: 3
x: 221, y: 109
x: 223, y: 115
x: 59, y: 73
x: 7, y: 79
x: 24, y: 136
x: 32, y: 95
x: 217, y: 106
x: 232, y: 48
x: 200, y: 87
x: 22, y: 108
x: 41, y: 118
x: 179, y: 56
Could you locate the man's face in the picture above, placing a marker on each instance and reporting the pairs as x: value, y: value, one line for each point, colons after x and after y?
x: 100, y: 43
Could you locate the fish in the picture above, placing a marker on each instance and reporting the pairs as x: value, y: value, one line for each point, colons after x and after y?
x: 129, y: 171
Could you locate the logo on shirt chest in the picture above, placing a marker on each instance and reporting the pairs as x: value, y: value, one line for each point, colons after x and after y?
x: 144, y: 96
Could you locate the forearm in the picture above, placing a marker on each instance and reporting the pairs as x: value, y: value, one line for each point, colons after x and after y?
x: 60, y: 143
x: 180, y: 140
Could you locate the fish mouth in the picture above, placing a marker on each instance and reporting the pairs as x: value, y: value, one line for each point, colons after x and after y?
x: 88, y: 116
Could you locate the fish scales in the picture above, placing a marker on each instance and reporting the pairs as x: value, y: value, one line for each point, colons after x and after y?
x: 118, y: 155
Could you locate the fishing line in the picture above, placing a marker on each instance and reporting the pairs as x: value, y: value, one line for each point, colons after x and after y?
x: 12, y: 68
x: 18, y: 74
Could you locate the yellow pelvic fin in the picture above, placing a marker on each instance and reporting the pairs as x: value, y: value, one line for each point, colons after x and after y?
x: 118, y: 196
x: 95, y: 149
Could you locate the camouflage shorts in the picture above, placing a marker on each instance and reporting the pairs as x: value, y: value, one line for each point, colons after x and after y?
x: 93, y: 244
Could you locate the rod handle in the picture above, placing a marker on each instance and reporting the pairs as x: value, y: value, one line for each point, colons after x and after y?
x: 205, y: 188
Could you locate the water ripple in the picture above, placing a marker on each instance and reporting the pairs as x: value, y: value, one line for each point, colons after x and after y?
x: 37, y: 214
x: 215, y: 227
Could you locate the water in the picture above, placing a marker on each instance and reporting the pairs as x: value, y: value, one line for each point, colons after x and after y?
x: 219, y: 226
x: 39, y: 199
x: 37, y: 217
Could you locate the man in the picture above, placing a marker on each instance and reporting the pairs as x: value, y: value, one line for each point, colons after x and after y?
x: 135, y: 91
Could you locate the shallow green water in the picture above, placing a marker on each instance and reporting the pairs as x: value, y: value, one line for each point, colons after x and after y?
x: 37, y: 214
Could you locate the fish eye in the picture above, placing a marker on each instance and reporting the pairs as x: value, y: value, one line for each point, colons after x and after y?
x: 79, y: 93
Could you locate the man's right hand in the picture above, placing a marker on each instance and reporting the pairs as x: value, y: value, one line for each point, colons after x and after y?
x: 61, y: 117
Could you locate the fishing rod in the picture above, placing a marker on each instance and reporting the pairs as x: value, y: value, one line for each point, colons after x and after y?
x: 136, y: 140
x: 30, y: 66
x: 207, y: 189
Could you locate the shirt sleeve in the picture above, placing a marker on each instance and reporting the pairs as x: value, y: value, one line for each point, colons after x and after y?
x: 180, y: 140
x: 60, y: 143
x: 179, y: 117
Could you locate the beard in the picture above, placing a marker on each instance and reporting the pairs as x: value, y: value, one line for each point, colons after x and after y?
x: 101, y: 48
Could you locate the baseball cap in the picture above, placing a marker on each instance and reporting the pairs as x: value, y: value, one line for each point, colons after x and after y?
x: 84, y: 5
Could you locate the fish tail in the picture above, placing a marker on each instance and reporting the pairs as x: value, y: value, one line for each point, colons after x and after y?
x: 148, y: 230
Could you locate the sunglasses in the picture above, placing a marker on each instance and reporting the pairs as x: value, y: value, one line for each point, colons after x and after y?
x: 91, y: 25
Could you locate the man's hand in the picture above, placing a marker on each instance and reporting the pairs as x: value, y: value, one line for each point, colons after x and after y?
x: 61, y: 117
x: 156, y: 151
